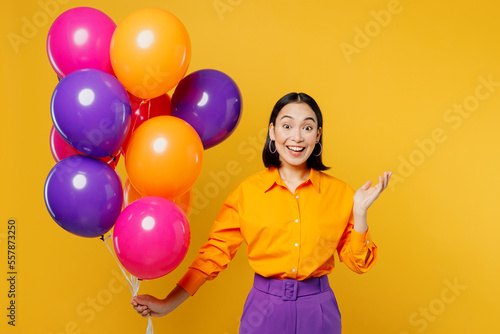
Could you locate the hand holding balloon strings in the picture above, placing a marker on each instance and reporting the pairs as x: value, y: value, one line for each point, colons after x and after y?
x: 132, y: 281
x: 105, y: 92
x: 151, y: 238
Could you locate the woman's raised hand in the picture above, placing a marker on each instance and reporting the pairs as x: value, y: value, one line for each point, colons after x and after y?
x: 365, y: 196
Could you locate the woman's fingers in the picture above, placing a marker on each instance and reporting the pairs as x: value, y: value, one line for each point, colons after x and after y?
x: 138, y: 302
x: 366, y: 185
x: 387, y: 177
x: 141, y: 309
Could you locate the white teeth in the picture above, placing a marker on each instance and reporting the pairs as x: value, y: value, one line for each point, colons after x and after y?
x: 296, y: 149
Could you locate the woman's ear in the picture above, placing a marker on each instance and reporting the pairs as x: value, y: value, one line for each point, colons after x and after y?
x: 320, y: 131
x: 271, y: 131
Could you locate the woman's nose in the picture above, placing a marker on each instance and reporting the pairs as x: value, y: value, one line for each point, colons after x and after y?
x: 297, y: 135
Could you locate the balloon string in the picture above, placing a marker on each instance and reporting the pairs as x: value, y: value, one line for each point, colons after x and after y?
x: 149, y: 330
x: 133, y: 282
x: 149, y: 109
x: 137, y: 118
x: 148, y: 101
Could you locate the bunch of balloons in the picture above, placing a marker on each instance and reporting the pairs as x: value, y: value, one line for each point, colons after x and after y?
x: 112, y: 101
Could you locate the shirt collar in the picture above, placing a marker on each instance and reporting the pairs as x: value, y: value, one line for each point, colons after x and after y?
x: 272, y: 178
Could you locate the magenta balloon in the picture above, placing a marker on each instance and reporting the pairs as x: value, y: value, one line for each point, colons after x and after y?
x: 91, y: 111
x: 80, y: 38
x: 151, y: 237
x: 83, y: 195
x: 210, y: 102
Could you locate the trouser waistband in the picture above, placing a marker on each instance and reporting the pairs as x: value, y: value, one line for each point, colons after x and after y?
x: 290, y: 289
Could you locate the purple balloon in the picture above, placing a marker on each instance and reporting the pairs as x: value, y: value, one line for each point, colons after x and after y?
x: 91, y: 111
x: 84, y: 195
x: 210, y: 102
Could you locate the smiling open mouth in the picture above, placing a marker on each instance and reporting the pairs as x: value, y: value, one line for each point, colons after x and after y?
x: 296, y: 148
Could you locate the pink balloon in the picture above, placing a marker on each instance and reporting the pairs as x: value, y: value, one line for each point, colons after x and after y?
x: 151, y: 237
x: 80, y: 38
x: 60, y: 149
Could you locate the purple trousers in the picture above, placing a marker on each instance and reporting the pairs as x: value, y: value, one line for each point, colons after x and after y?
x: 288, y: 306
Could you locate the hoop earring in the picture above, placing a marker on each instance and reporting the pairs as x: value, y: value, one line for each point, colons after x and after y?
x: 320, y: 150
x: 270, y: 149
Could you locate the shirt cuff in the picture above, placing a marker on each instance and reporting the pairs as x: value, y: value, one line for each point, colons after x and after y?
x: 192, y: 280
x: 361, y: 241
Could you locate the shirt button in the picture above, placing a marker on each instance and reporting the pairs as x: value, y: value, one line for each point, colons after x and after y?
x: 296, y: 245
x: 296, y: 220
x: 293, y: 270
x: 297, y: 197
x: 367, y: 242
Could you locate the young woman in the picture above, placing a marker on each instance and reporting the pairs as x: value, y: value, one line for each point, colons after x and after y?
x: 293, y: 218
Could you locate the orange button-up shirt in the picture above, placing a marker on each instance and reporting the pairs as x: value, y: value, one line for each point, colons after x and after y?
x: 289, y: 235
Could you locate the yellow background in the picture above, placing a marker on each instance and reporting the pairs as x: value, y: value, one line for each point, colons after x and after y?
x: 387, y: 85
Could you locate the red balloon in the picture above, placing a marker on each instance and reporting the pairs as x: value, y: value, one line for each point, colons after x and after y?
x: 142, y: 110
x: 61, y: 149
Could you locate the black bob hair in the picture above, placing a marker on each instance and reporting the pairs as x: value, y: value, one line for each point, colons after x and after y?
x: 273, y: 160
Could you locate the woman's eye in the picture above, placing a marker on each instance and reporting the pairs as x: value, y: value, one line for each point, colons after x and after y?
x: 286, y: 126
x: 308, y: 128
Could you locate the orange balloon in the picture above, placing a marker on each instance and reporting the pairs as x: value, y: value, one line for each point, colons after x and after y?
x: 184, y: 202
x: 164, y: 157
x: 150, y: 52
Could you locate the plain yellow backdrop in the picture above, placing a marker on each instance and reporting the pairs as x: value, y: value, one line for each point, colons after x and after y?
x: 407, y: 86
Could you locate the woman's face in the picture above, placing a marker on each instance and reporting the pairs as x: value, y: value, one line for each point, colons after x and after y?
x: 295, y: 134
